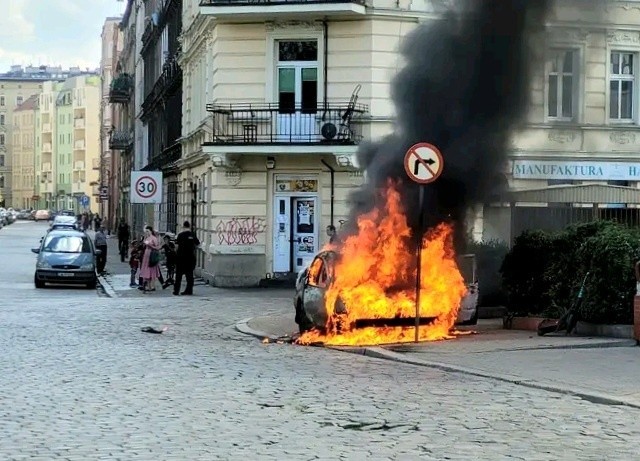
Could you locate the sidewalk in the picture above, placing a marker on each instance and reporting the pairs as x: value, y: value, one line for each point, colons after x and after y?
x: 603, y: 370
x: 117, y: 277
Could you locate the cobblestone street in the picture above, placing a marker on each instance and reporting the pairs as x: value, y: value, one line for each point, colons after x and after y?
x: 80, y: 381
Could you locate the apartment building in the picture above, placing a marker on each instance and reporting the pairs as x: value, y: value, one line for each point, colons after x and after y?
x: 24, y: 194
x: 578, y: 158
x: 68, y: 136
x: 109, y: 160
x: 15, y: 88
x: 277, y: 97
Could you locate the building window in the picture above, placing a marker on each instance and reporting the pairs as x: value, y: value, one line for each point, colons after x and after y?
x: 621, y: 86
x: 561, y: 84
x: 1, y: 160
x: 19, y: 100
x: 297, y: 76
x: 1, y: 119
x: 1, y: 140
x: 1, y: 182
x: 1, y: 100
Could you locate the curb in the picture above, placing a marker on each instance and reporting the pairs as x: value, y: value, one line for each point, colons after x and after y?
x: 109, y: 291
x: 381, y: 353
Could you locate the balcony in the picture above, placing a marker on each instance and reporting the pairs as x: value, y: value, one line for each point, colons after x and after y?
x: 167, y: 158
x: 121, y: 89
x: 78, y: 187
x: 46, y: 147
x: 47, y: 186
x: 79, y: 145
x: 78, y: 124
x: 246, y: 9
x: 78, y: 166
x: 168, y: 83
x: 270, y: 124
x: 46, y: 167
x: 46, y: 127
x: 120, y: 140
x: 95, y: 163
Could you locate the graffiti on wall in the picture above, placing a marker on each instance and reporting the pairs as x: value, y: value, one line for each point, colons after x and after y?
x: 240, y: 230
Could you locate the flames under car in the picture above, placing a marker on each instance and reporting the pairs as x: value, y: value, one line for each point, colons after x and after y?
x: 313, y: 282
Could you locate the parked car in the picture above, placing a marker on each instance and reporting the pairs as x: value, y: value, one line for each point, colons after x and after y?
x: 24, y: 215
x: 66, y: 257
x: 309, y: 300
x: 42, y: 215
x: 66, y: 213
x: 64, y: 222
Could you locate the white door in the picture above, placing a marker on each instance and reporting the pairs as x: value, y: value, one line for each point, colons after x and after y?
x: 305, y: 230
x: 282, y: 234
x: 297, y: 79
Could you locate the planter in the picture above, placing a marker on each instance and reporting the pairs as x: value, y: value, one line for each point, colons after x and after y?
x: 586, y: 329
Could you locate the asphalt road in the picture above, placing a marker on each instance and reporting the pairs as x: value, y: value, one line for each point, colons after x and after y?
x: 80, y: 381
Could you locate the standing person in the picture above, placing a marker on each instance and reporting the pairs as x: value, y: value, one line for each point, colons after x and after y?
x: 186, y: 259
x: 170, y: 261
x: 97, y: 222
x: 150, y: 267
x: 134, y: 261
x: 124, y: 233
x: 101, y: 244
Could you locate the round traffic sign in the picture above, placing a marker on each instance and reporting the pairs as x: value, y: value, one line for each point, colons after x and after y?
x: 146, y: 186
x: 423, y: 163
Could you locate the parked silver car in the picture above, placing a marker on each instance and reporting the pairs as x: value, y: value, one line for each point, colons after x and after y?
x: 309, y: 299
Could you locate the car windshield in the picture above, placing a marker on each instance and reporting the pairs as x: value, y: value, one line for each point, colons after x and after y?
x: 66, y: 244
x: 64, y: 220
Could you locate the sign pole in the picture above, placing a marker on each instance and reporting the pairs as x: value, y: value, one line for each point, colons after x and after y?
x: 423, y: 164
x: 419, y: 260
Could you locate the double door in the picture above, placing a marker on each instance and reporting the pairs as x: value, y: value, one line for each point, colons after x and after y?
x: 297, y: 102
x: 295, y: 232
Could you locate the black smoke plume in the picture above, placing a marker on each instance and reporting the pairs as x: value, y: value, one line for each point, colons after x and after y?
x: 464, y: 88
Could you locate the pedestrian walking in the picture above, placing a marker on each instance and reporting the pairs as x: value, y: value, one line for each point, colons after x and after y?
x: 186, y: 259
x: 170, y: 256
x: 124, y: 234
x: 150, y: 267
x: 97, y: 222
x: 101, y: 244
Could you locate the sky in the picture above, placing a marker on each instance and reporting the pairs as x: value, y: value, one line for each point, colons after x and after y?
x: 53, y: 32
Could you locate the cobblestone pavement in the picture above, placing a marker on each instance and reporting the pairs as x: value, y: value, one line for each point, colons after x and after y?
x: 79, y: 381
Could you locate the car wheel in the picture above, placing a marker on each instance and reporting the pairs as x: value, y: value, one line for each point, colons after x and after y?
x: 38, y: 283
x: 304, y: 324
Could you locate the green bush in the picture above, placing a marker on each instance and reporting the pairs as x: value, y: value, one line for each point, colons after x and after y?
x: 523, y: 272
x: 489, y: 257
x: 543, y: 272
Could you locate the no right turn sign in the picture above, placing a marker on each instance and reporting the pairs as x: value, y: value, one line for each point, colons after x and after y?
x: 423, y: 163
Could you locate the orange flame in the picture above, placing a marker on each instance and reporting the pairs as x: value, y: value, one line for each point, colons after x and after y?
x: 375, y: 279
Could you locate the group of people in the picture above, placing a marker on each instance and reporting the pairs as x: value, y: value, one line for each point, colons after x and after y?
x: 90, y: 220
x: 145, y: 255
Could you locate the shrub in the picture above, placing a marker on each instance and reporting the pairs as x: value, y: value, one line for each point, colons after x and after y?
x: 523, y: 272
x: 543, y: 272
x: 489, y: 257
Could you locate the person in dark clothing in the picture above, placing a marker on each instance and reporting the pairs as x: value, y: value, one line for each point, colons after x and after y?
x: 186, y: 259
x: 101, y: 244
x: 170, y: 255
x: 124, y: 234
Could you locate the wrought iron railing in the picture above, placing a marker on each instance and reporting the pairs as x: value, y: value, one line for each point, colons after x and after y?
x: 169, y: 81
x: 120, y: 140
x: 121, y: 89
x: 272, y: 123
x: 167, y: 156
x: 273, y: 2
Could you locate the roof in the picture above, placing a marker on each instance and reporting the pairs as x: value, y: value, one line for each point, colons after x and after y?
x: 30, y: 104
x: 75, y: 233
x: 583, y: 193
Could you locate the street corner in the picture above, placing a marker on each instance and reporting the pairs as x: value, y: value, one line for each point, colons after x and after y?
x: 119, y: 286
x: 270, y: 328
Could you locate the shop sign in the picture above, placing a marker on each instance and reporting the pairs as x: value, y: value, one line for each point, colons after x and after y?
x: 594, y: 171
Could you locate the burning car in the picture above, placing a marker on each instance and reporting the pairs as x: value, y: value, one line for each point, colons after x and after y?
x: 312, y: 284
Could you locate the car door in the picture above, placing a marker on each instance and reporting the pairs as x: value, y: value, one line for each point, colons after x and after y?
x: 315, y: 289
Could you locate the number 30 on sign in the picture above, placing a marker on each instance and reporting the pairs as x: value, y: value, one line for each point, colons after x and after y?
x: 146, y: 187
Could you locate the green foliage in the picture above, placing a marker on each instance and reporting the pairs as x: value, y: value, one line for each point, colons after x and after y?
x: 543, y: 272
x: 489, y: 257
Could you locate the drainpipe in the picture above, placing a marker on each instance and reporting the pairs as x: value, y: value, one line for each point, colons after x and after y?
x: 332, y: 186
x: 326, y: 64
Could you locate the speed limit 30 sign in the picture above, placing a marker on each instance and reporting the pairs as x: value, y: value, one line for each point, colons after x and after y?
x: 146, y: 187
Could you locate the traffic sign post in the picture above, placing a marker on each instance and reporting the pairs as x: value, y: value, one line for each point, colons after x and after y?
x: 423, y: 163
x: 146, y: 187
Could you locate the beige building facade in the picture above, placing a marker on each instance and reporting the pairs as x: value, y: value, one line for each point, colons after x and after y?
x: 23, y: 192
x: 13, y: 92
x: 578, y: 158
x: 276, y: 99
